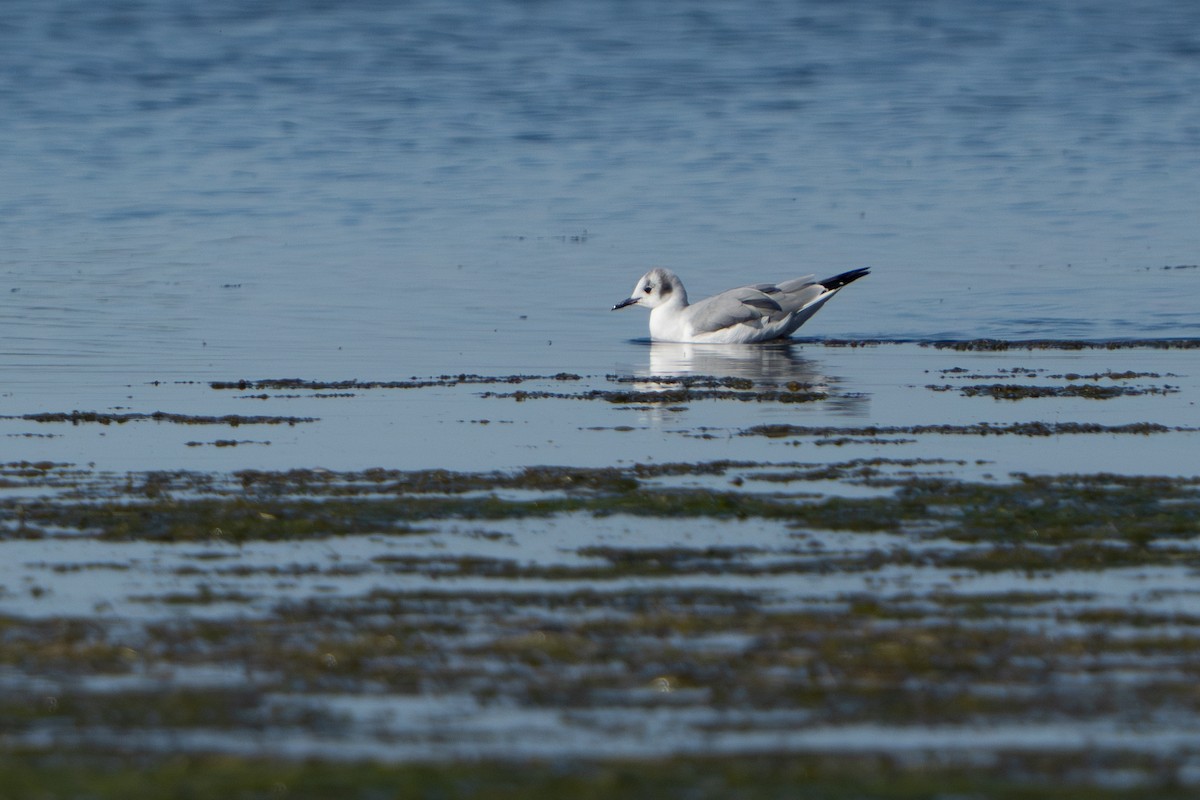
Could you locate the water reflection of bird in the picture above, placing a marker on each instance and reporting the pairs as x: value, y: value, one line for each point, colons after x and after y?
x: 746, y: 315
x: 773, y: 363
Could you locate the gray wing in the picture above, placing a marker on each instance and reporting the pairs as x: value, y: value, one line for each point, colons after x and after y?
x: 795, y: 284
x: 745, y: 304
x: 787, y: 286
x: 801, y: 298
x: 797, y: 294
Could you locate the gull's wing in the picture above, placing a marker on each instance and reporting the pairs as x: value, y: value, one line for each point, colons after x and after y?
x: 744, y: 304
x: 786, y: 286
x: 792, y: 295
x: 803, y: 297
x: 808, y: 295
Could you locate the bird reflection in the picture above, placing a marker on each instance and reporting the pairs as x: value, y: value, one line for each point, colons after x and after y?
x: 776, y: 364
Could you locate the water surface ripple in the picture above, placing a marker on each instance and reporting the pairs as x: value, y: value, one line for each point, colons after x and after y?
x: 434, y: 186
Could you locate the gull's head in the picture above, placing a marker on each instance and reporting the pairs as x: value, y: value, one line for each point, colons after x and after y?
x: 657, y: 287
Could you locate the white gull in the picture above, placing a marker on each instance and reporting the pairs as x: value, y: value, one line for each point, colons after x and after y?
x: 748, y: 314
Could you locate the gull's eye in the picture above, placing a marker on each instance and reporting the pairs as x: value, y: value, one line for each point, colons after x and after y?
x: 647, y: 289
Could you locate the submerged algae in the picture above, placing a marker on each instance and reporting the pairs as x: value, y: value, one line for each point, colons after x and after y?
x: 999, y: 345
x: 618, y: 642
x: 1026, y: 775
x: 1098, y: 520
x: 1038, y: 428
x: 671, y: 396
x: 292, y: 384
x: 1009, y: 391
x: 1029, y: 635
x: 233, y: 420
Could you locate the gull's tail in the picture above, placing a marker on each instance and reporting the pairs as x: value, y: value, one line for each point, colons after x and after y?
x: 824, y: 290
x: 838, y: 281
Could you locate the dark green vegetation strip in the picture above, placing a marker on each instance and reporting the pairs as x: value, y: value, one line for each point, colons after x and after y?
x: 618, y: 631
x: 907, y: 661
x: 682, y: 389
x: 997, y: 345
x: 669, y: 396
x: 82, y: 417
x: 1012, y: 391
x: 756, y: 777
x: 295, y: 384
x: 1000, y: 345
x: 781, y: 430
x: 1088, y: 521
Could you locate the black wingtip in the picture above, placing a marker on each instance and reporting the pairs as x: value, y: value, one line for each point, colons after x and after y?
x: 838, y: 281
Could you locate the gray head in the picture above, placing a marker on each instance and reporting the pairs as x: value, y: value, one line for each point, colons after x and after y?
x: 657, y: 287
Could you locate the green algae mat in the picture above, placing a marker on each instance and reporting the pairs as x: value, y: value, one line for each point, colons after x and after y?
x: 844, y: 597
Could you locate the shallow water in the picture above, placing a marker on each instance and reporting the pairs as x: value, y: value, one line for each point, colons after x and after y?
x: 359, y: 189
x: 455, y: 195
x: 510, y: 630
x: 491, y: 422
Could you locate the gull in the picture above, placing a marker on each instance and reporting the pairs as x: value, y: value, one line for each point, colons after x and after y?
x: 746, y: 315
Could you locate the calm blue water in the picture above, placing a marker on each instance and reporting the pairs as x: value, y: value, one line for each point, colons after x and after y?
x: 221, y: 189
x: 372, y: 189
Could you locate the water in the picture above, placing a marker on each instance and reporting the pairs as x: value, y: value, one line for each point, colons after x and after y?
x: 366, y: 188
x: 372, y: 190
